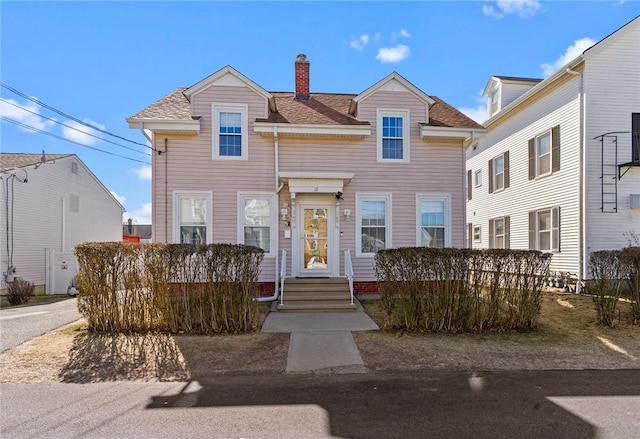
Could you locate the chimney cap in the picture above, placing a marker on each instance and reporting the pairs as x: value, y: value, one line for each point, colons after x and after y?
x: 301, y: 58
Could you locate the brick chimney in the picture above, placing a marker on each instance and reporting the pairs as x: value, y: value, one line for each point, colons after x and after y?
x: 302, y: 77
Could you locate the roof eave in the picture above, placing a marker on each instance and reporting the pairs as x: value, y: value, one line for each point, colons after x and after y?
x: 452, y: 133
x: 287, y: 129
x: 189, y: 127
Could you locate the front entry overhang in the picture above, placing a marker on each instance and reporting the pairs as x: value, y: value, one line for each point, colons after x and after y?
x: 315, y: 182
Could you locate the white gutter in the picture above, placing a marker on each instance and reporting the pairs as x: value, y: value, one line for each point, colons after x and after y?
x: 278, y: 188
x: 582, y: 201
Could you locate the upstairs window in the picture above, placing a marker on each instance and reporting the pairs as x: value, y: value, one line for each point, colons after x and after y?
x: 544, y: 153
x: 393, y: 136
x: 499, y: 172
x: 494, y: 102
x: 478, y: 178
x: 230, y: 131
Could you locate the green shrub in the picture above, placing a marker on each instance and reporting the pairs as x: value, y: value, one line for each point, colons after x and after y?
x: 608, y: 274
x: 460, y: 290
x: 630, y: 257
x: 19, y: 292
x: 204, y: 289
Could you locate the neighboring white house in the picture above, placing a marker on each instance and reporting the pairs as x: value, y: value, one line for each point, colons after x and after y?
x: 50, y: 204
x: 559, y: 169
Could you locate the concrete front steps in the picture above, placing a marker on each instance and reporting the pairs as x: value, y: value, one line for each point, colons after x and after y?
x: 316, y: 295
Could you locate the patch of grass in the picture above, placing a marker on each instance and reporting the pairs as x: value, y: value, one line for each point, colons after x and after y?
x: 35, y: 300
x: 570, y: 318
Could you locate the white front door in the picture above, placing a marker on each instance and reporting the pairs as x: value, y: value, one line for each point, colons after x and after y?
x: 315, y: 250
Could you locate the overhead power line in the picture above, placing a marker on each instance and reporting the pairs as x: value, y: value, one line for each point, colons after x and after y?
x: 38, y: 130
x: 73, y: 128
x: 61, y: 113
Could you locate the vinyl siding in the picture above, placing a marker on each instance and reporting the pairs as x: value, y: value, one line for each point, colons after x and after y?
x: 38, y: 216
x: 433, y: 168
x: 523, y: 195
x: 613, y: 93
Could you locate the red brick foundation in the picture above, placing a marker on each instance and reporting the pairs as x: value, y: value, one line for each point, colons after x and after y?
x: 365, y: 288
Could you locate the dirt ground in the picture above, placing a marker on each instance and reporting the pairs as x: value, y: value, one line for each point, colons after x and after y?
x: 566, y: 338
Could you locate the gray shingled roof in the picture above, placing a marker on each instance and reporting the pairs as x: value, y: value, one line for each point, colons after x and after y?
x: 517, y: 78
x: 322, y: 108
x: 21, y: 160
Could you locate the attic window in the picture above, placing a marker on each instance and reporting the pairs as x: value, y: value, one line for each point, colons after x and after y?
x: 74, y: 168
x: 494, y: 102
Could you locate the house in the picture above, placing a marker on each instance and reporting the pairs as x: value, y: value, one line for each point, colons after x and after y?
x: 136, y: 232
x: 559, y: 168
x: 51, y: 203
x: 320, y: 181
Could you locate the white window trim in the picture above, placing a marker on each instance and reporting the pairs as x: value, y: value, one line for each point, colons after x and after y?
x: 274, y: 218
x: 494, y: 101
x: 550, y: 153
x: 555, y: 228
x: 447, y: 216
x: 243, y: 109
x: 477, y: 178
x: 176, y: 213
x: 479, y: 239
x: 495, y: 174
x: 387, y: 233
x: 495, y: 232
x: 406, y: 128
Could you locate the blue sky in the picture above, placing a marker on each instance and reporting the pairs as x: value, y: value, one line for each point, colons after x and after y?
x: 101, y: 62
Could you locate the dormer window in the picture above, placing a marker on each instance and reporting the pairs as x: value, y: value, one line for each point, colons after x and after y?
x: 230, y: 132
x: 393, y: 135
x: 494, y: 102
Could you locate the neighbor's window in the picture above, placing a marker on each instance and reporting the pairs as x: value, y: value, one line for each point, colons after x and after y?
x: 499, y: 172
x: 433, y: 221
x: 499, y: 232
x: 230, y: 131
x: 477, y: 233
x: 543, y: 154
x: 373, y: 219
x: 393, y: 135
x: 193, y: 218
x: 478, y: 178
x: 635, y: 137
x: 544, y: 230
x: 256, y: 213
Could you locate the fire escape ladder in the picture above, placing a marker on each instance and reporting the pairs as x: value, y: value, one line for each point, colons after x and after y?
x: 609, y: 172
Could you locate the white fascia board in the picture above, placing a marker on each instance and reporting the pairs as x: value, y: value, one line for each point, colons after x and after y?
x: 312, y: 129
x: 164, y: 125
x: 395, y: 76
x: 346, y: 177
x: 452, y: 133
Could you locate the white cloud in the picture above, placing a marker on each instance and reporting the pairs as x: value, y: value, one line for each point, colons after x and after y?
x: 392, y: 54
x: 11, y: 110
x: 572, y: 52
x: 402, y: 34
x: 359, y: 43
x: 479, y: 112
x: 521, y: 8
x: 141, y: 215
x: 77, y: 132
x: 121, y: 198
x: 143, y: 172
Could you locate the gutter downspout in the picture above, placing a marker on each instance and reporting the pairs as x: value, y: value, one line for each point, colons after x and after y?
x: 278, y: 186
x: 582, y: 202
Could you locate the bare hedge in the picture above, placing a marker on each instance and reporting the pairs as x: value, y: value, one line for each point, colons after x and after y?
x: 179, y: 288
x: 460, y: 290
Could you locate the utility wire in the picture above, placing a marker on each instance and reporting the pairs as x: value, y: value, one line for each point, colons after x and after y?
x: 55, y: 110
x: 29, y: 127
x: 73, y: 128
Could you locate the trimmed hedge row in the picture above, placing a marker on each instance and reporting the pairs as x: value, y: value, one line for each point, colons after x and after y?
x: 460, y: 290
x: 128, y: 287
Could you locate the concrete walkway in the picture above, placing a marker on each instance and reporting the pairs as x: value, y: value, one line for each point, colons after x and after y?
x: 321, y: 341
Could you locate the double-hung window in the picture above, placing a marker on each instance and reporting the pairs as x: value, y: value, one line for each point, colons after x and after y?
x: 192, y: 217
x: 544, y: 153
x: 478, y: 178
x: 393, y: 135
x: 635, y: 137
x: 257, y: 221
x: 499, y: 172
x: 494, y: 102
x: 374, y: 224
x: 544, y: 230
x: 230, y: 132
x: 433, y: 219
x: 499, y: 232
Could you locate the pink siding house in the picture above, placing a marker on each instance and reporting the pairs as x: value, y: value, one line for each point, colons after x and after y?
x: 320, y: 181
